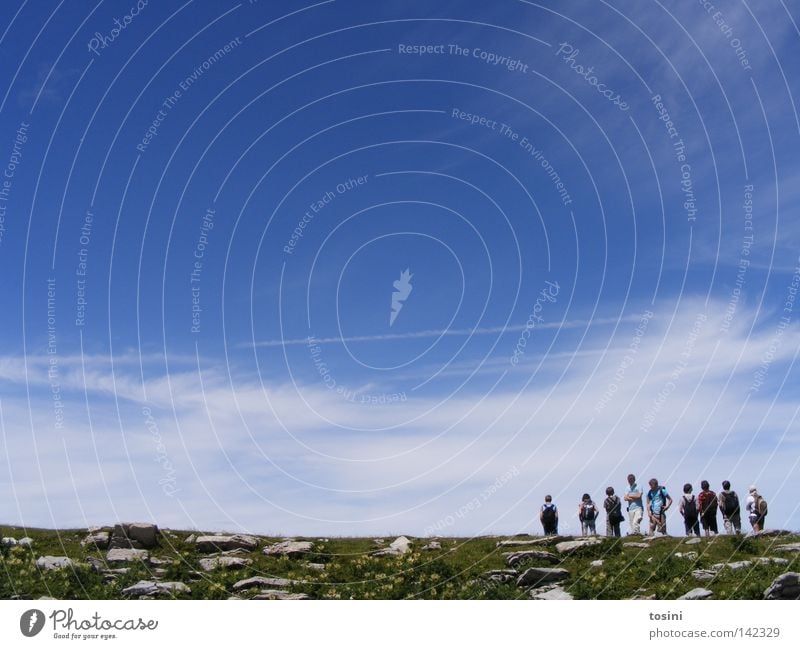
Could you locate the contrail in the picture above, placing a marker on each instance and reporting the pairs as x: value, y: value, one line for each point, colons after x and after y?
x: 433, y: 333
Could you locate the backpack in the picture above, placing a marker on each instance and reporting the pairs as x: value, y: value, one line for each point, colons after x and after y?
x: 613, y: 506
x: 588, y: 512
x: 549, y: 514
x: 709, y: 505
x: 761, y: 506
x: 730, y: 503
x: 690, y: 509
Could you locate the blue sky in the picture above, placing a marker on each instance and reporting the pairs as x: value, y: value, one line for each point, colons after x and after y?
x: 594, y: 203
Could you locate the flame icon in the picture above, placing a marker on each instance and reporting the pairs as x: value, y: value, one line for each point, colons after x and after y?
x: 402, y: 291
x: 31, y: 622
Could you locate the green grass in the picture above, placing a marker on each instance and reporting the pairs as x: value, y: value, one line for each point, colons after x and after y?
x: 451, y: 573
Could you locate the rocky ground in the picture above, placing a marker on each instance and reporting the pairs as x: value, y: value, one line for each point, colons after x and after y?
x: 139, y: 561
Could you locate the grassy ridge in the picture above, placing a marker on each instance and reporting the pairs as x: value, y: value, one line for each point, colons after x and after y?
x: 454, y: 572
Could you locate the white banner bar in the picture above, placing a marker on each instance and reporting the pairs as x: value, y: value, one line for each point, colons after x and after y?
x: 389, y: 624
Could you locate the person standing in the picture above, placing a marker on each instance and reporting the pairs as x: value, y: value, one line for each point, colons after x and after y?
x: 613, y: 507
x: 729, y: 506
x: 707, y: 501
x: 688, y: 509
x: 756, y: 508
x: 587, y: 514
x: 658, y: 502
x: 635, y: 508
x: 548, y: 516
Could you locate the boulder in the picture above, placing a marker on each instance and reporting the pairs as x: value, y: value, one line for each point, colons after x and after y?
x: 551, y: 593
x: 704, y: 575
x: 53, y: 563
x: 229, y: 563
x: 8, y: 541
x: 686, y: 555
x: 597, y: 563
x: 772, y: 560
x: 565, y: 547
x: 25, y: 542
x: 139, y: 536
x: 216, y: 542
x: 786, y: 586
x: 735, y: 565
x: 192, y: 538
x: 693, y: 541
x: 788, y: 547
x: 544, y: 540
x: 774, y: 533
x: 540, y: 576
x: 697, y: 593
x: 100, y: 540
x: 433, y: 545
x: 502, y: 576
x: 513, y: 559
x: 289, y: 548
x: 124, y: 555
x: 262, y: 582
x: 146, y: 588
x: 279, y: 594
x: 636, y: 545
x: 401, y: 545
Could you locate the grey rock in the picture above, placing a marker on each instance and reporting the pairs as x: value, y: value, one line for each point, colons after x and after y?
x: 317, y: 567
x: 556, y: 593
x: 139, y: 536
x: 262, y: 582
x: 693, y: 541
x: 289, y: 548
x: 8, y: 541
x: 146, y: 588
x: 704, y: 575
x: 216, y: 542
x: 378, y: 541
x: 401, y: 545
x: 786, y: 586
x: 229, y: 563
x: 544, y: 540
x: 788, y: 547
x: 636, y: 545
x: 778, y: 561
x: 192, y: 538
x: 540, y: 576
x: 100, y: 540
x: 513, y: 559
x: 279, y: 594
x: 769, y: 533
x: 53, y: 563
x: 565, y: 547
x: 686, y: 555
x: 697, y: 593
x: 157, y: 561
x: 25, y: 542
x: 124, y: 555
x: 502, y: 576
x: 735, y: 565
x: 433, y: 545
x: 597, y: 563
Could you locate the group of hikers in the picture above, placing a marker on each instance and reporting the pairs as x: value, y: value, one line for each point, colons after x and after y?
x: 696, y: 510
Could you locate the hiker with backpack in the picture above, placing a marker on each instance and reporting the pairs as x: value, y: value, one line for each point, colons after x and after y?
x: 688, y: 509
x: 756, y: 508
x: 587, y: 514
x: 613, y: 507
x: 658, y: 502
x: 635, y: 508
x: 707, y: 502
x: 548, y: 516
x: 729, y: 506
